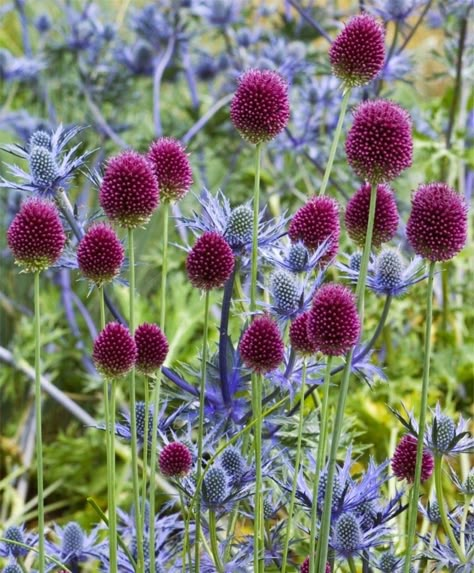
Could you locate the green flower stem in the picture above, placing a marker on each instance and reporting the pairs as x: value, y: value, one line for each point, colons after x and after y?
x: 465, y: 513
x: 157, y: 388
x: 145, y: 450
x: 202, y: 392
x: 413, y: 508
x: 256, y: 205
x: 186, y: 546
x: 351, y: 564
x: 442, y: 508
x: 133, y: 413
x: 39, y: 438
x: 335, y: 141
x: 214, y: 541
x: 343, y: 391
x: 297, y: 468
x: 320, y: 461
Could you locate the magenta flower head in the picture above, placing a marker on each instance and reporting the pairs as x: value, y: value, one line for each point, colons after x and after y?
x: 261, y: 346
x: 299, y: 338
x: 305, y: 567
x: 100, y: 254
x: 172, y: 168
x: 357, y: 54
x: 333, y: 323
x: 260, y: 108
x: 115, y: 351
x: 210, y: 262
x: 379, y: 144
x: 152, y: 348
x: 36, y: 236
x: 316, y: 222
x: 129, y: 192
x: 437, y: 226
x: 175, y: 460
x: 404, y: 460
x: 386, y: 215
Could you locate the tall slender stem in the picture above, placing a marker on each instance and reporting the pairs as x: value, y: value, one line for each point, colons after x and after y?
x: 202, y: 393
x: 215, y: 541
x: 39, y: 437
x: 464, y: 525
x: 256, y: 207
x: 413, y: 508
x: 297, y: 469
x: 335, y: 141
x: 133, y: 413
x: 343, y: 391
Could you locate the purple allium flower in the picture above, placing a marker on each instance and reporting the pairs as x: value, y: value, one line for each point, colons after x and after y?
x: 115, y: 351
x: 100, y: 254
x: 357, y: 54
x: 129, y: 192
x: 437, y: 226
x: 379, y: 144
x: 175, y: 460
x: 210, y: 262
x: 260, y: 108
x: 36, y: 236
x: 404, y: 460
x: 316, y: 222
x: 299, y: 338
x: 305, y: 566
x: 152, y: 348
x: 386, y: 215
x: 333, y: 323
x: 261, y: 346
x: 172, y: 168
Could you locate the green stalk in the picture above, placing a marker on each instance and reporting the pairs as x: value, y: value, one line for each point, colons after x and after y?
x: 256, y: 205
x: 157, y: 388
x: 335, y: 141
x: 413, y: 508
x: 145, y: 450
x: 133, y: 413
x: 351, y: 564
x: 186, y: 548
x: 39, y: 437
x: 343, y: 391
x: 202, y: 392
x: 297, y: 468
x: 214, y: 541
x: 442, y: 509
x: 465, y: 513
x: 320, y: 461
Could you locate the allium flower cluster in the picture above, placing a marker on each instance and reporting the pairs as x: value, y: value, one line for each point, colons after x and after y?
x: 100, y: 254
x: 152, y: 348
x: 261, y: 346
x: 404, y: 460
x: 175, y: 460
x: 299, y: 339
x: 115, y: 351
x: 172, y: 168
x: 210, y: 262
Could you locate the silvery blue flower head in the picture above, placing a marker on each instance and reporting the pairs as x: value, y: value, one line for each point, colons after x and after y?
x: 296, y: 258
x: 16, y: 533
x: 219, y: 13
x: 445, y: 437
x: 388, y: 562
x: 19, y: 69
x: 74, y: 545
x: 445, y: 557
x: 151, y: 25
x: 349, y: 539
x: 137, y: 57
x: 395, y: 10
x: 396, y: 68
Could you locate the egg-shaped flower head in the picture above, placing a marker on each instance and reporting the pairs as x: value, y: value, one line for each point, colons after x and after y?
x: 115, y: 351
x: 379, y: 145
x: 333, y: 323
x: 175, y: 460
x: 260, y: 108
x: 404, y: 460
x: 305, y: 566
x: 357, y: 54
x: 261, y: 346
x: 210, y: 262
x: 299, y: 339
x: 386, y: 215
x: 152, y: 348
x: 172, y: 168
x: 36, y: 236
x: 100, y: 254
x: 129, y: 191
x: 437, y: 226
x: 315, y: 223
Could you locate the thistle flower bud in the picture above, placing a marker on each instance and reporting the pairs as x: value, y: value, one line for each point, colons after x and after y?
x: 284, y: 289
x: 388, y: 562
x: 261, y: 346
x: 15, y: 533
x: 347, y: 534
x: 172, y: 168
x: 215, y: 486
x: 239, y: 226
x: 299, y: 338
x: 389, y: 269
x: 115, y: 351
x: 443, y: 433
x: 268, y: 509
x: 298, y: 257
x: 73, y: 539
x: 175, y: 460
x: 100, y: 254
x: 433, y: 512
x: 210, y: 262
x: 40, y: 139
x: 12, y: 568
x: 233, y: 463
x: 404, y: 460
x: 43, y: 166
x: 152, y: 348
x: 260, y: 108
x: 469, y: 483
x: 355, y: 261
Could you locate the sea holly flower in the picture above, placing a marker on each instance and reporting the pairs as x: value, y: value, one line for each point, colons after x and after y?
x: 16, y: 533
x: 115, y: 351
x: 349, y: 539
x: 172, y: 168
x: 296, y: 258
x: 74, y: 546
x: 100, y: 254
x: 210, y: 262
x: 446, y: 438
x: 233, y: 463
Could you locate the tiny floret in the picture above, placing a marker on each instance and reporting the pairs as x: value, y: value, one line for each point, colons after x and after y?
x: 100, y: 254
x: 404, y: 460
x: 172, y: 168
x: 115, y: 351
x: 152, y: 348
x: 261, y: 346
x: 210, y: 262
x: 175, y: 460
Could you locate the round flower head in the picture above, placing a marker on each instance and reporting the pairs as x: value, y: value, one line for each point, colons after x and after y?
x: 172, y: 168
x: 386, y: 216
x: 260, y: 108
x: 12, y: 568
x: 175, y: 460
x: 215, y: 486
x: 389, y: 269
x: 379, y: 144
x: 404, y: 460
x: 261, y: 346
x: 357, y: 54
x: 73, y: 539
x: 299, y: 338
x: 233, y: 463
x: 43, y: 166
x: 347, y: 534
x: 284, y: 289
x: 305, y: 566
x: 298, y: 257
x: 129, y: 191
x: 40, y: 139
x: 443, y: 433
x: 15, y: 533
x: 115, y: 351
x: 355, y: 261
x: 333, y: 322
x: 239, y: 226
x: 210, y: 262
x: 152, y: 348
x: 316, y: 222
x: 36, y: 236
x: 100, y: 254
x: 437, y: 226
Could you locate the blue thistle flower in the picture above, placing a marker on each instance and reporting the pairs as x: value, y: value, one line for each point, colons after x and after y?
x: 14, y: 533
x: 350, y: 539
x: 355, y: 261
x: 389, y: 269
x: 295, y: 257
x: 43, y: 167
x: 219, y: 13
x: 12, y: 568
x: 285, y: 291
x: 215, y: 487
x: 444, y: 437
x: 239, y: 226
x: 233, y: 463
x: 73, y: 545
x: 40, y: 138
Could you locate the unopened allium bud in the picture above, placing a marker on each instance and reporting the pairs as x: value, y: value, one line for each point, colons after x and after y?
x: 437, y: 226
x: 347, y: 534
x: 100, y: 254
x: 172, y: 168
x: 404, y: 460
x: 443, y: 433
x: 214, y: 486
x: 239, y: 226
x: 298, y: 257
x: 40, y: 139
x: 115, y: 351
x: 73, y: 539
x: 261, y: 346
x: 152, y: 348
x: 210, y: 262
x: 260, y: 108
x: 357, y: 54
x: 299, y: 339
x: 233, y: 463
x: 36, y: 236
x: 355, y: 261
x: 43, y: 166
x: 15, y: 533
x: 389, y: 269
x: 175, y: 460
x: 284, y: 289
x: 434, y: 514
